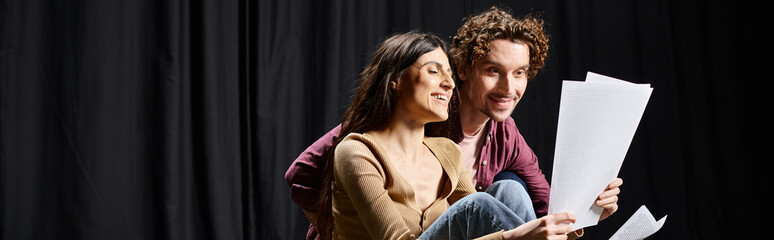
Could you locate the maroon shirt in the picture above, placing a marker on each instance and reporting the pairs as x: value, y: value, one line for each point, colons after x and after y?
x: 504, y: 149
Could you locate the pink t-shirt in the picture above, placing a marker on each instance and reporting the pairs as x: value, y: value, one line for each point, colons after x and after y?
x: 471, y: 149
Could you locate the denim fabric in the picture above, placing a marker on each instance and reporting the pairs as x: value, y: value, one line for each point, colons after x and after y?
x: 505, y: 175
x: 514, y: 196
x: 504, y: 206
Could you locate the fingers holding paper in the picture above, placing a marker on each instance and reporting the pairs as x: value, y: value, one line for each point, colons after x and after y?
x: 552, y: 226
x: 608, y: 199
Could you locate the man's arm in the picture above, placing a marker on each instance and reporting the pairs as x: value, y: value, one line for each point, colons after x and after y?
x: 304, y: 176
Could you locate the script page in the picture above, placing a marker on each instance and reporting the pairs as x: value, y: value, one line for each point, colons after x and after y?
x: 639, y: 226
x: 597, y: 121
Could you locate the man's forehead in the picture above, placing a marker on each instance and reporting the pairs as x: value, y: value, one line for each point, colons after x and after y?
x: 507, y: 53
x: 504, y: 63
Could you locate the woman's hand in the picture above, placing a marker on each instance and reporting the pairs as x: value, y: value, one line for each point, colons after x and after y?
x: 554, y: 226
x: 609, y: 198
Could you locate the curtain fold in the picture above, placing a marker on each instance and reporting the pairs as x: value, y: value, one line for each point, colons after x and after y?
x: 124, y: 120
x: 174, y: 119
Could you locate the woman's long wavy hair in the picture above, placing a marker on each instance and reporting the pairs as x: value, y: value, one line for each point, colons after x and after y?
x: 373, y: 103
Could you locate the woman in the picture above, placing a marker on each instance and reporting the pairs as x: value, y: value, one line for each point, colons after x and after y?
x: 387, y: 180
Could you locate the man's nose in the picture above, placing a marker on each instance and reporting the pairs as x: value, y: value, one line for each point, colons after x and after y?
x: 509, y: 84
x: 506, y: 83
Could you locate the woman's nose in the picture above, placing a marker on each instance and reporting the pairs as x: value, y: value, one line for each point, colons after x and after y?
x: 447, y: 83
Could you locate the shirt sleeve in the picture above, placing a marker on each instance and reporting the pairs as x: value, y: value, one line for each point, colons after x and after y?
x: 526, y: 165
x: 304, y: 176
x: 359, y: 174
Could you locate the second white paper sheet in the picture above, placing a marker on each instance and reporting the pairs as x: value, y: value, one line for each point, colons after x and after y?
x: 597, y: 121
x: 639, y: 226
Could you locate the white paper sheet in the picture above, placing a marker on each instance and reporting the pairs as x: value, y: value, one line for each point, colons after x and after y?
x: 639, y: 226
x: 597, y: 121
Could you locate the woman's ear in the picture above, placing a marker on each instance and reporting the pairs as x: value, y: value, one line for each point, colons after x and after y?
x: 395, y: 81
x: 393, y: 84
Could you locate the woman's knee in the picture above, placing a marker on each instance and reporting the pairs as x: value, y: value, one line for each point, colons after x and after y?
x: 480, y: 200
x: 486, y: 208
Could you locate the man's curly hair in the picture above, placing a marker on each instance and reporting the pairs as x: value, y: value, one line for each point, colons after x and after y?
x: 473, y: 38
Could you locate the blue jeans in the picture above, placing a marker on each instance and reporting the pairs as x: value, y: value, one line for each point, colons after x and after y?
x: 505, y: 175
x: 505, y: 205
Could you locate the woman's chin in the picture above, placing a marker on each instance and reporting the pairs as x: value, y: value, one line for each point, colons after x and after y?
x: 440, y: 117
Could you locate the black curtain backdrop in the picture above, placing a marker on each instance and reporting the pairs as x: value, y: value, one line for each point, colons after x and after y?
x: 169, y: 119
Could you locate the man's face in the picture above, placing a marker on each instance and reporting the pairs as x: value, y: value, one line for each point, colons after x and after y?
x: 495, y: 84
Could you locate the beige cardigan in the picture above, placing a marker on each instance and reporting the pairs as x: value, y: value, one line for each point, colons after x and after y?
x: 372, y: 201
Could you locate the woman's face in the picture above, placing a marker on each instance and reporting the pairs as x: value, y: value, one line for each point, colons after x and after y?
x: 425, y: 88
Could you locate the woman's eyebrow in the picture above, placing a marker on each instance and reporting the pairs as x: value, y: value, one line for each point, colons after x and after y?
x: 433, y: 62
x: 440, y: 66
x: 437, y: 63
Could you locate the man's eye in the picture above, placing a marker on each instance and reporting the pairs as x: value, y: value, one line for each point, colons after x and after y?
x: 494, y: 70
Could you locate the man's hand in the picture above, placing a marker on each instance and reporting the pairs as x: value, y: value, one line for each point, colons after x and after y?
x: 554, y: 226
x: 609, y: 198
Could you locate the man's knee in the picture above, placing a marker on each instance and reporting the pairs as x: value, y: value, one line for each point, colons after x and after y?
x: 507, y: 185
x: 508, y: 175
x: 511, y: 193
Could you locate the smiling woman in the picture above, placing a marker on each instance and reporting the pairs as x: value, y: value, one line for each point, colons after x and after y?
x: 399, y: 91
x: 406, y: 85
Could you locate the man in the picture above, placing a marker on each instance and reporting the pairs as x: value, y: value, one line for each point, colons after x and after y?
x: 496, y: 55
